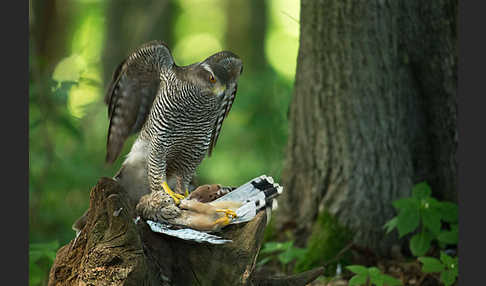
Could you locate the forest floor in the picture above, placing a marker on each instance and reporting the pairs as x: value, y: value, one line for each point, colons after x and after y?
x: 408, y: 272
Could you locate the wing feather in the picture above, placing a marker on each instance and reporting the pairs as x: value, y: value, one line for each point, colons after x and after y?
x: 227, y: 103
x: 131, y: 92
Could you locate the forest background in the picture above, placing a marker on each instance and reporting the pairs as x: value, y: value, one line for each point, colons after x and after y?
x: 349, y: 119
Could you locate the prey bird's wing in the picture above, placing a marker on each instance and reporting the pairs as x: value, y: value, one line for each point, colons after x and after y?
x: 131, y: 93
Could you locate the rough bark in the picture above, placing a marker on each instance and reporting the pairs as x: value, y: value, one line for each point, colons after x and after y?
x: 113, y: 250
x: 373, y: 112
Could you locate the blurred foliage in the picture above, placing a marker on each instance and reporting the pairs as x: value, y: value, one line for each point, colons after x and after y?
x: 68, y: 119
x: 282, y: 252
x: 41, y: 256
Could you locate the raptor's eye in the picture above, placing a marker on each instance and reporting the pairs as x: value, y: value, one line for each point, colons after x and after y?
x: 212, y: 79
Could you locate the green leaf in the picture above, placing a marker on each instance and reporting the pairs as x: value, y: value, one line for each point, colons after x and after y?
x: 297, y: 252
x: 448, y: 236
x: 448, y: 277
x: 69, y: 69
x: 391, y: 281
x: 408, y: 220
x: 449, y: 211
x: 287, y: 256
x: 358, y: 269
x: 358, y: 280
x: 431, y: 220
x: 376, y: 277
x: 66, y: 122
x: 431, y: 264
x: 391, y: 224
x: 270, y: 247
x: 264, y: 261
x: 447, y: 260
x: 420, y: 243
x: 406, y: 203
x: 421, y: 190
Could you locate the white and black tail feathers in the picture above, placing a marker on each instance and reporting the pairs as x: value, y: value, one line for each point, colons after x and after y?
x: 256, y: 195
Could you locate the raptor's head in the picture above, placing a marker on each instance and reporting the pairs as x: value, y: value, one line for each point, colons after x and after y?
x: 217, y: 75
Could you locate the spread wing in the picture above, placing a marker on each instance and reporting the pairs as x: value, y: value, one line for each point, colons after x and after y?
x: 131, y: 92
x: 227, y: 102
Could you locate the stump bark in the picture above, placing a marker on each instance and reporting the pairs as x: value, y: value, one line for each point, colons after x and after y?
x: 113, y: 250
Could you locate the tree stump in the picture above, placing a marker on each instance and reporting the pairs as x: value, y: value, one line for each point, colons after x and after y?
x: 114, y: 250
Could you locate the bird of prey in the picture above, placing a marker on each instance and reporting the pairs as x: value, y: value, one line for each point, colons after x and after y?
x: 178, y: 112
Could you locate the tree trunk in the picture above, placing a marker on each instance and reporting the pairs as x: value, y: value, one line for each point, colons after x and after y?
x: 130, y: 24
x: 373, y: 112
x: 114, y: 250
x: 245, y: 32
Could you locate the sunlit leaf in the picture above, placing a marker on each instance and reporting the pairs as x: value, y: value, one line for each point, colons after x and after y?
x: 376, y: 277
x: 69, y: 69
x: 358, y: 280
x: 358, y: 269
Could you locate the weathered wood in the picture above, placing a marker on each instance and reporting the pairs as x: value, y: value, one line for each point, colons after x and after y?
x: 112, y: 250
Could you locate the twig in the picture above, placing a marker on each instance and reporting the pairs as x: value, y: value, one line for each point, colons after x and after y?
x: 287, y: 14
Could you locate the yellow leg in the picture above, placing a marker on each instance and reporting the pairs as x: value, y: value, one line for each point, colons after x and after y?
x: 187, y: 193
x: 222, y: 221
x: 229, y: 213
x: 176, y: 197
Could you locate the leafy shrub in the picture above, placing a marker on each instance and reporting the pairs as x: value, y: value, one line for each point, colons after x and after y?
x: 421, y: 211
x: 447, y: 267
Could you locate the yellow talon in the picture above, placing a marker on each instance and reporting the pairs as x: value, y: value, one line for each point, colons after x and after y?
x: 229, y: 213
x: 176, y: 197
x: 222, y: 221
